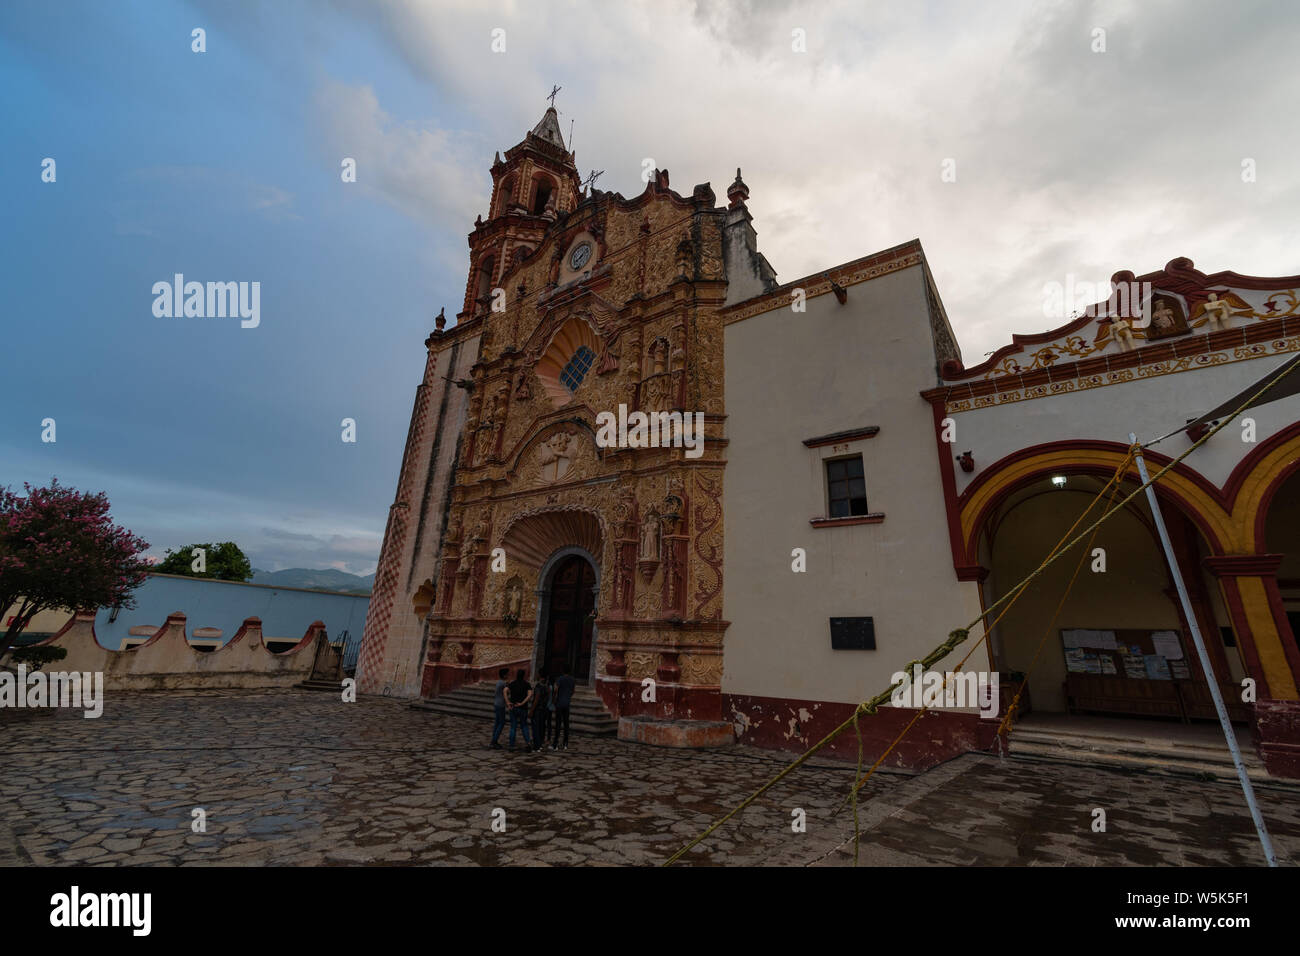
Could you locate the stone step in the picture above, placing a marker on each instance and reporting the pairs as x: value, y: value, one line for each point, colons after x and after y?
x: 321, y: 685
x: 587, y: 703
x: 587, y: 714
x: 1204, y: 764
x: 1169, y: 750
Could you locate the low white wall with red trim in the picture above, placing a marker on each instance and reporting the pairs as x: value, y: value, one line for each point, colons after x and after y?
x: 167, y: 661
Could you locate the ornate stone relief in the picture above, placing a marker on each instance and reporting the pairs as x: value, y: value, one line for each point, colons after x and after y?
x: 555, y: 455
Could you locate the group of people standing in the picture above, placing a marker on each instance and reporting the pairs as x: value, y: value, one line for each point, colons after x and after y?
x: 543, y: 707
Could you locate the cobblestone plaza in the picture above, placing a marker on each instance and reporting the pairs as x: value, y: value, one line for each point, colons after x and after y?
x: 295, y: 778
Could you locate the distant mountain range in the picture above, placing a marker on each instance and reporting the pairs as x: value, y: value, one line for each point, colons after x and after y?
x: 326, y: 579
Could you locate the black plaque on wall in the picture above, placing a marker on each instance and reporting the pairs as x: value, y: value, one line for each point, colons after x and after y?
x: 853, y: 634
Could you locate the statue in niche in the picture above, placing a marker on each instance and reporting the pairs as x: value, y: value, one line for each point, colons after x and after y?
x: 685, y: 255
x: 650, y: 536
x: 556, y: 455
x: 476, y: 537
x: 658, y: 356
x: 498, y: 415
x: 488, y: 427
x: 512, y: 602
x: 676, y: 489
x: 623, y: 579
x: 523, y: 391
x: 480, y: 530
x: 1166, y: 319
x: 624, y: 512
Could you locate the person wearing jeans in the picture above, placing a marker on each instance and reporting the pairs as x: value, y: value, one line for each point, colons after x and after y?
x: 499, y: 706
x: 518, y: 694
x: 563, y: 697
x: 542, y: 700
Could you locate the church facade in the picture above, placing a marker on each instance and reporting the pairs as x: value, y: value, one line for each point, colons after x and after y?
x: 767, y: 577
x: 575, y: 305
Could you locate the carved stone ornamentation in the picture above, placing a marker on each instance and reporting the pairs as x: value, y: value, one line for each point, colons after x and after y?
x: 641, y: 664
x: 523, y: 391
x: 556, y: 454
x: 608, y: 361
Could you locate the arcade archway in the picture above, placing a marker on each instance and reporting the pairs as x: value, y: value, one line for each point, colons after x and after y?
x: 1119, y: 643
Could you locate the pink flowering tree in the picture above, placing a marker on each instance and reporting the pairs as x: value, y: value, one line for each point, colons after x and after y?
x: 59, y: 548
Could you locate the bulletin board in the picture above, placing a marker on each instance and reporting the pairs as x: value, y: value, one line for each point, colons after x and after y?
x: 1126, y: 653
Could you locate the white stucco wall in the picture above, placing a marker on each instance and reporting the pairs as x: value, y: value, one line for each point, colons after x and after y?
x: 791, y: 377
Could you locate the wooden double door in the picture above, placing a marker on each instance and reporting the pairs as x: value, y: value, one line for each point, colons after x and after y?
x: 569, y: 619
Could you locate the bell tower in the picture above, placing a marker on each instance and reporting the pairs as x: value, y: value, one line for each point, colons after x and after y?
x: 536, y: 184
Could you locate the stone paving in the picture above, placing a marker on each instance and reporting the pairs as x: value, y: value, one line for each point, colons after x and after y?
x: 299, y: 778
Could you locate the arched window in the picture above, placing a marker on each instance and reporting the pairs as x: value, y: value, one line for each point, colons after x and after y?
x: 542, y: 189
x: 505, y: 195
x: 576, y: 369
x: 485, y: 270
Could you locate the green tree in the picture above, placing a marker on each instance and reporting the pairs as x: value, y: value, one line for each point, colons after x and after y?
x: 59, y: 548
x: 223, y: 561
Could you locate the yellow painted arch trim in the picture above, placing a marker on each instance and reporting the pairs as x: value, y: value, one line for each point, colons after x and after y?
x: 1213, y: 517
x: 1250, y: 496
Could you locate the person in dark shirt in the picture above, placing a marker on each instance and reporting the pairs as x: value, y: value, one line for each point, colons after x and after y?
x: 518, y: 694
x: 541, y: 712
x: 563, y: 697
x: 499, y: 707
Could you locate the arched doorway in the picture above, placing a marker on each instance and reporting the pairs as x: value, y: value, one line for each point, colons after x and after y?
x: 568, y: 619
x: 1282, y: 536
x: 1113, y: 639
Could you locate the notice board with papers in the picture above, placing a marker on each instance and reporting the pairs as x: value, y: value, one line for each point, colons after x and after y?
x: 1134, y: 654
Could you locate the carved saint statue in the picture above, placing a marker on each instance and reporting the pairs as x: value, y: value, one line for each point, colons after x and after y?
x: 1166, y: 319
x: 1162, y: 319
x: 623, y: 579
x: 658, y: 356
x: 512, y: 602
x: 650, y: 537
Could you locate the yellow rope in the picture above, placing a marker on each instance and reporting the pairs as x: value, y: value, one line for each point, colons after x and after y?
x: 959, y: 635
x: 858, y: 730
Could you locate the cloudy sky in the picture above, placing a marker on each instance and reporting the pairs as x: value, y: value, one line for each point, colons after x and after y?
x: 1069, y: 160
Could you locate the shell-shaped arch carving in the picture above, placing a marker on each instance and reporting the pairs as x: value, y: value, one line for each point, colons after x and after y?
x: 533, y: 536
x: 564, y: 345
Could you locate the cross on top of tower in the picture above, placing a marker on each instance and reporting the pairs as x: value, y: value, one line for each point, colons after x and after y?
x: 554, y: 90
x: 592, y: 177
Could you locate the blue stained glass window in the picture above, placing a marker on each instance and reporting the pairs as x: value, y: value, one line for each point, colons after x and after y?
x: 576, y: 370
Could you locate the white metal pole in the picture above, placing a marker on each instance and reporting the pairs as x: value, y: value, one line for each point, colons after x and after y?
x: 1228, y: 733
